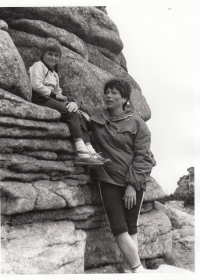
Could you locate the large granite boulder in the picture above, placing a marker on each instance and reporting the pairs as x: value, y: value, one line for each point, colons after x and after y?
x: 17, y: 197
x: 180, y: 205
x: 42, y: 248
x: 183, y: 248
x: 7, y: 175
x: 97, y: 251
x: 23, y: 164
x: 79, y: 78
x: 154, y: 235
x: 3, y: 25
x: 93, y: 54
x: 21, y: 128
x: 14, y: 106
x: 10, y: 145
x: 44, y: 29
x: 185, y: 189
x: 77, y: 214
x: 88, y: 23
x: 178, y: 218
x: 153, y: 191
x: 13, y: 75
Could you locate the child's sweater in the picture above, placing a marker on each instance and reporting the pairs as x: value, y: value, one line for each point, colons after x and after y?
x: 44, y: 81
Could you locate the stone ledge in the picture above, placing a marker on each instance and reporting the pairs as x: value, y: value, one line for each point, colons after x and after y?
x: 43, y: 248
x: 44, y: 195
x: 14, y: 106
x: 153, y: 191
x: 9, y: 145
x: 22, y: 128
x: 25, y: 164
x: 79, y: 213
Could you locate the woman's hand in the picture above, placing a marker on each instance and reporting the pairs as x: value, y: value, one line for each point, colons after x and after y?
x: 72, y: 107
x: 130, y: 197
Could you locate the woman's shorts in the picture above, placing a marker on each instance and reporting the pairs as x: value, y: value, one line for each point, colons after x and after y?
x: 121, y: 219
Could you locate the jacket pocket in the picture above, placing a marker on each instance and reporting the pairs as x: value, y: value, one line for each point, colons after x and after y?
x: 126, y: 136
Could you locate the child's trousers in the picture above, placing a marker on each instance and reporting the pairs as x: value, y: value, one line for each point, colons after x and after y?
x: 76, y: 123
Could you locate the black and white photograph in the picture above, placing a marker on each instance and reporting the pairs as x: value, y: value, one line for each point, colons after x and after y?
x: 98, y: 138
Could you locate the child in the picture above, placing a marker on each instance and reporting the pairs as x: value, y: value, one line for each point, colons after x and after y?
x: 47, y: 92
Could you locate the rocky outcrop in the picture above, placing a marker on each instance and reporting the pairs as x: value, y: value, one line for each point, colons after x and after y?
x: 53, y: 221
x: 88, y: 23
x: 79, y: 78
x: 154, y: 191
x: 14, y: 106
x: 185, y: 190
x: 26, y: 248
x: 21, y: 128
x: 93, y: 54
x: 177, y: 217
x: 14, y: 78
x: 3, y: 25
x: 183, y: 242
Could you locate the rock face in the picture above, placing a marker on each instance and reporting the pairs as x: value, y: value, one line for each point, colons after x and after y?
x: 185, y: 190
x: 14, y: 78
x: 183, y: 242
x: 3, y: 25
x: 154, y: 191
x: 26, y: 248
x: 14, y: 106
x: 80, y: 78
x: 53, y: 221
x: 88, y: 23
x: 177, y: 217
x: 21, y: 128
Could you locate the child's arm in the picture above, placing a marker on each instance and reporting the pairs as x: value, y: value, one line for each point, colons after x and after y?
x: 37, y: 76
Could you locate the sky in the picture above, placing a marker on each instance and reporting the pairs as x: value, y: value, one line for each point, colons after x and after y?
x: 159, y: 46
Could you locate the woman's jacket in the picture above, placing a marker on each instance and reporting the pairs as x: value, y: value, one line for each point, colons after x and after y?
x: 126, y: 141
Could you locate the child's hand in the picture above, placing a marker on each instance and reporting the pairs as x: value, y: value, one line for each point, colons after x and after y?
x: 72, y: 107
x: 60, y: 97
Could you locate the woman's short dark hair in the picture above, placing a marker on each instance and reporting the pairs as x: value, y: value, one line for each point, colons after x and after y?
x: 122, y: 86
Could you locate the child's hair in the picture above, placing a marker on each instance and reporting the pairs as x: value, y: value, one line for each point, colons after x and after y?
x: 52, y: 45
x: 122, y: 86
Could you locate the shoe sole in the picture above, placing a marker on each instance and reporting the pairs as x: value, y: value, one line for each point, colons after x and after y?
x: 91, y: 164
x: 106, y: 163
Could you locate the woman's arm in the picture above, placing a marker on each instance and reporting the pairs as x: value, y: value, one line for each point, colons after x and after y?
x: 142, y: 163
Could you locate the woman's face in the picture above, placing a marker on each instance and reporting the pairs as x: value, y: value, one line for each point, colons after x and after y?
x: 113, y: 98
x: 51, y: 58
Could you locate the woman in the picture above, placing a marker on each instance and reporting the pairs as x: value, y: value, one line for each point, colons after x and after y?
x: 124, y: 138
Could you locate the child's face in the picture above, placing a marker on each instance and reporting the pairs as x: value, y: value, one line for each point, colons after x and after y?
x: 51, y: 58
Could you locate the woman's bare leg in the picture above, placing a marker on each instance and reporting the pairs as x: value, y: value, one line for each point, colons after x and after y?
x: 126, y: 263
x: 129, y: 249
